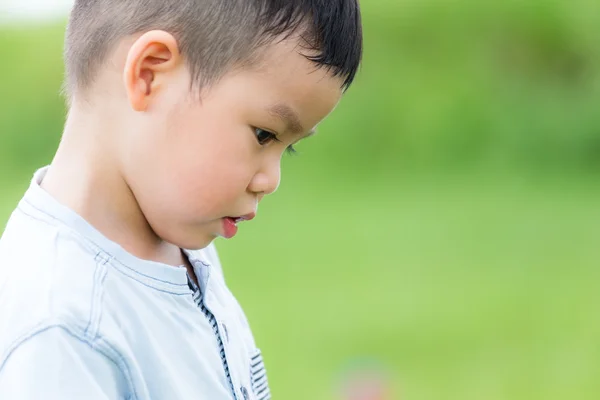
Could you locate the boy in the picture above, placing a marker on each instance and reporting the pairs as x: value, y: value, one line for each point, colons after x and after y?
x: 179, y: 113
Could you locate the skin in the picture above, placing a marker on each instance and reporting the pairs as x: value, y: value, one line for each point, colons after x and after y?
x: 155, y: 169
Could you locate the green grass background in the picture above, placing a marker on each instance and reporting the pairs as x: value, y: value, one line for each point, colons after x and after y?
x: 444, y: 222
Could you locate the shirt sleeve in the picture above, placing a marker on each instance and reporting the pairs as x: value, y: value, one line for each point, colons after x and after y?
x: 53, y: 364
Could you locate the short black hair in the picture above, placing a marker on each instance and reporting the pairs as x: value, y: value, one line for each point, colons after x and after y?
x: 215, y: 35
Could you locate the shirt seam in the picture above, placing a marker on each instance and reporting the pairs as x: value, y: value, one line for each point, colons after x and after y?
x: 97, y: 344
x: 97, y: 294
x: 182, y: 293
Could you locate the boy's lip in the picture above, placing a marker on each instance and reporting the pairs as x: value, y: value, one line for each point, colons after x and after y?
x: 230, y: 224
x: 247, y: 217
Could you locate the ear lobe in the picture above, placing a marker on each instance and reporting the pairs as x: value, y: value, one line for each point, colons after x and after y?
x: 150, y: 58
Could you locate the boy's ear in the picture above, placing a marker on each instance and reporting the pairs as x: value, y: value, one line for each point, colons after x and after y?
x: 153, y: 54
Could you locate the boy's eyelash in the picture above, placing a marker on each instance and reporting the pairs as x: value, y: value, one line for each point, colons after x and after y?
x: 291, y: 151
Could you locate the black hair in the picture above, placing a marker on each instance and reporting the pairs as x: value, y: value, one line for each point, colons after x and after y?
x: 215, y: 35
x: 333, y: 30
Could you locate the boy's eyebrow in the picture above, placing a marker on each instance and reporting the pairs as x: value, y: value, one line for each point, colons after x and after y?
x: 290, y: 117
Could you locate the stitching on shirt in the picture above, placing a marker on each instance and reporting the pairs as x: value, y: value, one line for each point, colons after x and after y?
x: 99, y: 345
x: 86, y: 246
x: 97, y: 259
x: 144, y: 275
x: 20, y: 209
x: 123, y: 363
x: 80, y: 238
x: 100, y: 300
x: 89, y: 247
x: 97, y: 293
x: 150, y: 286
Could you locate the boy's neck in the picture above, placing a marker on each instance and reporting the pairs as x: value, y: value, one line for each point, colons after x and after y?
x: 85, y: 176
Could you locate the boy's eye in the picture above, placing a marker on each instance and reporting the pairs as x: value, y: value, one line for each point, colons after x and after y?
x: 264, y: 137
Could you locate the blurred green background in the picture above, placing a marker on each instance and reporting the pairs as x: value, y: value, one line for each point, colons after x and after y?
x: 443, y: 224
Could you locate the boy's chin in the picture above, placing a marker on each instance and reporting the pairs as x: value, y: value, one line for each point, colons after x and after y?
x: 196, y: 241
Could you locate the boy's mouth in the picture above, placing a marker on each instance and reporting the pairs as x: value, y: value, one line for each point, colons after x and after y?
x: 247, y: 217
x: 230, y: 224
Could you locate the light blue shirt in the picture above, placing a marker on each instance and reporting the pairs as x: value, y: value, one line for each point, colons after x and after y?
x: 80, y: 318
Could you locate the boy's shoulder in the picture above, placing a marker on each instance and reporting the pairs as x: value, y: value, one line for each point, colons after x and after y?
x: 47, y: 276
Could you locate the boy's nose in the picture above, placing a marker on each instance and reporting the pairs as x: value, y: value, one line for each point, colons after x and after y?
x: 266, y: 181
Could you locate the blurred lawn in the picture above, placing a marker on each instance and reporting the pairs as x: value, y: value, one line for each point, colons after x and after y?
x: 444, y: 221
x: 467, y: 289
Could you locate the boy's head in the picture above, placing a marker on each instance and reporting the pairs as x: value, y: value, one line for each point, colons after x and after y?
x: 199, y: 99
x: 215, y: 35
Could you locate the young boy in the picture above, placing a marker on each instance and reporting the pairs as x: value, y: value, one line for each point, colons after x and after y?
x: 179, y: 113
